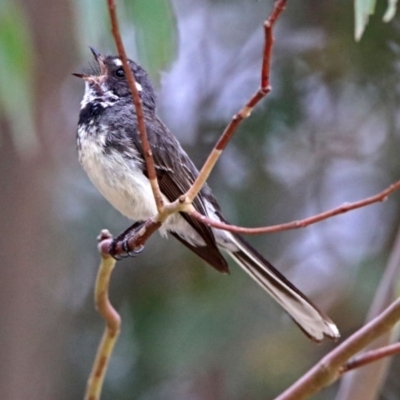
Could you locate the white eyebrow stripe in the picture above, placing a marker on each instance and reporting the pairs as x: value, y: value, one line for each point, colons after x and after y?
x: 139, y: 87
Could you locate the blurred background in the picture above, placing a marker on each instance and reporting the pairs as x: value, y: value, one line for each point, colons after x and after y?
x: 328, y: 133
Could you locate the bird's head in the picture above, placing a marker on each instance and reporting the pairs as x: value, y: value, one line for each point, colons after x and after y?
x: 107, y: 75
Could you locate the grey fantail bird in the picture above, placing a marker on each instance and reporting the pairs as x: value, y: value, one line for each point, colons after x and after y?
x: 111, y: 153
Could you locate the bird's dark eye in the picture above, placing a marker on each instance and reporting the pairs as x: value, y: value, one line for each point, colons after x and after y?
x: 119, y: 73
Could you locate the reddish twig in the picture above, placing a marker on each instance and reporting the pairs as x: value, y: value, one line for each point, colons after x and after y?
x: 382, y: 196
x: 366, y: 383
x: 148, y: 156
x: 245, y: 111
x: 330, y: 367
x: 371, y: 356
x: 113, y: 323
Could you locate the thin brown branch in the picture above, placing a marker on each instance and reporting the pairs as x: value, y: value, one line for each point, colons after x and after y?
x: 113, y: 323
x: 245, y: 111
x: 151, y: 172
x: 371, y: 356
x: 365, y: 383
x: 382, y: 196
x: 330, y: 367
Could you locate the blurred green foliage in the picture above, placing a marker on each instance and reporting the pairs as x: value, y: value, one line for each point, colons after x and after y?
x: 16, y: 78
x: 363, y: 9
x: 155, y: 32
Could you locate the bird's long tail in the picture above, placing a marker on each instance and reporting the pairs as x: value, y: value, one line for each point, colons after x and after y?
x: 312, y: 321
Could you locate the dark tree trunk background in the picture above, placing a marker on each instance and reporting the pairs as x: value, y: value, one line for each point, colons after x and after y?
x: 32, y: 333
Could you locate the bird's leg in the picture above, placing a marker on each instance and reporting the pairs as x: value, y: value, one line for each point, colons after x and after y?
x: 124, y: 238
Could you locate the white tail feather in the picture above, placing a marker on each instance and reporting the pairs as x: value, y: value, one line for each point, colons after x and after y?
x: 312, y: 321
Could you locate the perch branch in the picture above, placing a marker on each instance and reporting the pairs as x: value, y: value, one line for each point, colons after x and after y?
x: 113, y: 323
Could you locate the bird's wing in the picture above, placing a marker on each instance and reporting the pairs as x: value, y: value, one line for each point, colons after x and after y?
x: 176, y: 173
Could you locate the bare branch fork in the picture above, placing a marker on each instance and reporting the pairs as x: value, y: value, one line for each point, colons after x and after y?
x: 334, y: 364
x: 371, y: 356
x: 245, y: 111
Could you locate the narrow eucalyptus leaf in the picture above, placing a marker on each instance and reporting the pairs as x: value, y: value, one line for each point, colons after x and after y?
x: 390, y: 11
x: 156, y: 32
x: 363, y: 9
x: 16, y: 75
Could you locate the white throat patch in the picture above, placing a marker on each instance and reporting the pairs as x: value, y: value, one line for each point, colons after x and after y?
x: 107, y: 99
x: 89, y: 96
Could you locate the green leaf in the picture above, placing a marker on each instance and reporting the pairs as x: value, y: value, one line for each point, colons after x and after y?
x: 390, y: 11
x: 150, y: 25
x: 155, y: 31
x: 362, y: 11
x: 15, y: 75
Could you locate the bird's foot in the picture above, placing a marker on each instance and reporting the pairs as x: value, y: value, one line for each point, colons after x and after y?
x: 123, y: 240
x: 131, y: 252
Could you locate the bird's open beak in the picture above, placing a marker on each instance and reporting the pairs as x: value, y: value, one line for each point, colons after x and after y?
x: 82, y: 76
x: 100, y: 60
